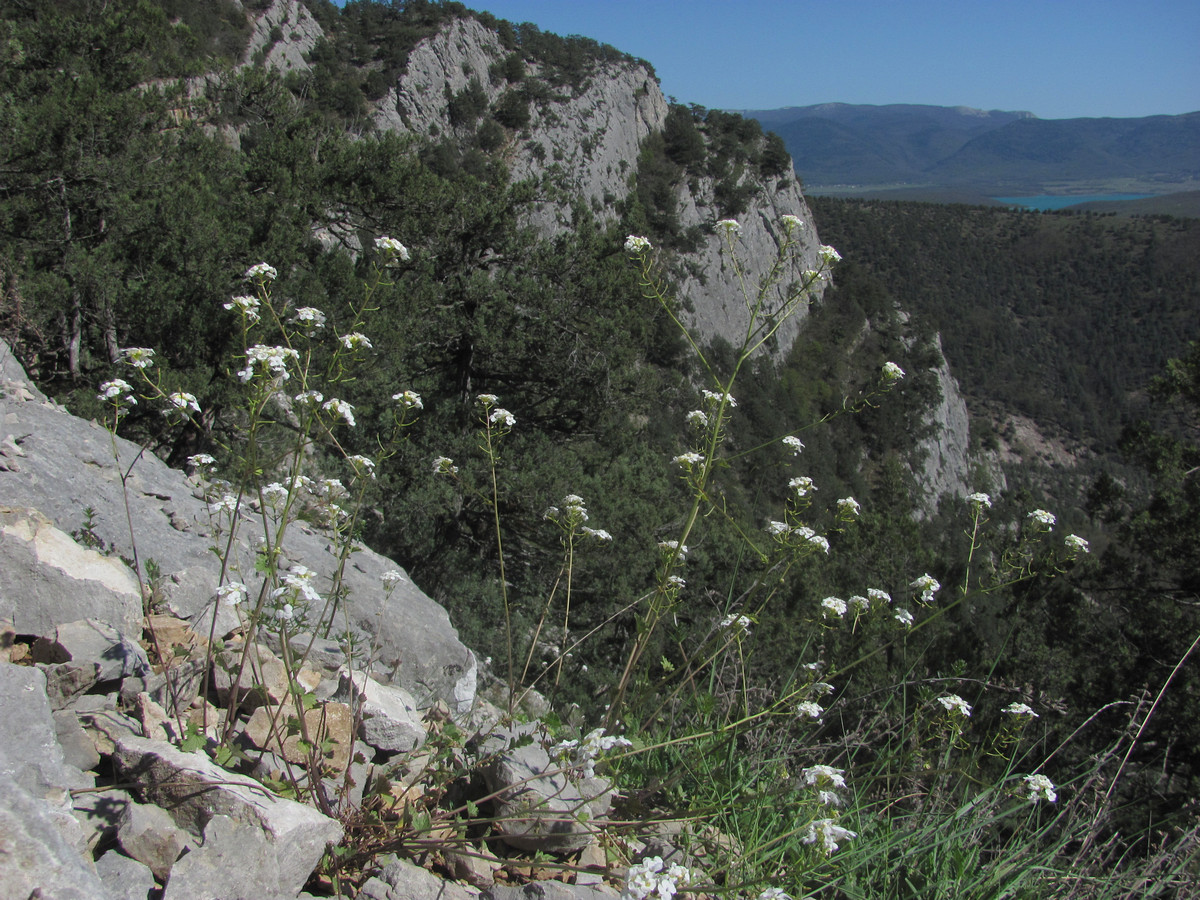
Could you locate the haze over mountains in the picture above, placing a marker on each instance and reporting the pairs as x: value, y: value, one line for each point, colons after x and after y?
x: 847, y: 148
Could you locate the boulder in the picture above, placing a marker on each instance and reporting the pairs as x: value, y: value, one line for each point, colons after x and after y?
x: 193, y: 789
x: 149, y: 835
x: 390, y: 721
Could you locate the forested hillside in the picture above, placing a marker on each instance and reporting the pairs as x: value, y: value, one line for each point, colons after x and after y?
x: 166, y: 180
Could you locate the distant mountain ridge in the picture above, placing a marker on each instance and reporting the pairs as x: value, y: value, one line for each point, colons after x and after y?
x: 989, y: 151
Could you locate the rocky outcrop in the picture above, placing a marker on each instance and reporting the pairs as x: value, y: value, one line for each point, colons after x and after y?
x: 945, y: 467
x: 282, y: 36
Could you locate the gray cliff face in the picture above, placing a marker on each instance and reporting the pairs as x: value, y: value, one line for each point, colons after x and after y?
x: 585, y: 142
x: 945, y: 469
x: 295, y: 32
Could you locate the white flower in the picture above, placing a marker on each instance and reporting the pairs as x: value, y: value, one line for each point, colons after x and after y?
x: 649, y: 879
x: 1040, y: 788
x: 183, y: 400
x: 675, y: 581
x: 809, y: 710
x: 687, y: 460
x: 139, y: 357
x: 828, y: 255
x: 712, y: 398
x: 202, y: 461
x: 261, y: 272
x: 881, y: 597
x: 354, y: 340
x: 119, y: 390
x: 848, y: 507
x: 778, y: 529
x: 1042, y: 519
x: 231, y: 593
x: 858, y: 603
x: 341, y: 409
x: 818, y: 541
x: 892, y: 372
x: 823, y: 777
x: 833, y: 606
x: 274, y: 494
x: 390, y: 579
x: 444, y: 465
x: 672, y: 547
x: 736, y: 624
x: 226, y: 503
x: 309, y: 398
x: 789, y: 221
x: 980, y: 501
x: 272, y: 359
x: 247, y: 305
x: 729, y: 226
x: 1020, y: 709
x: 793, y: 443
x: 309, y: 316
x: 363, y: 465
x: 774, y: 893
x: 954, y: 703
x: 392, y: 247
x: 803, y: 485
x: 1076, y: 544
x: 598, y: 533
x: 904, y: 617
x: 928, y: 586
x: 636, y: 245
x: 487, y: 399
x: 698, y: 418
x: 409, y: 400
x: 502, y: 418
x: 829, y: 834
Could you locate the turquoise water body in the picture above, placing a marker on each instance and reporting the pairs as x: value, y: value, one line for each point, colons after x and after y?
x: 1056, y: 201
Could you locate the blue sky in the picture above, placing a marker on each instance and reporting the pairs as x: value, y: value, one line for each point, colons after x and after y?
x: 1054, y: 58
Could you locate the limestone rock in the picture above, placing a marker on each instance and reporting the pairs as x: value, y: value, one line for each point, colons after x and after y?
x: 125, y: 878
x: 235, y: 861
x: 36, y: 860
x: 328, y: 721
x: 46, y: 579
x: 538, y: 807
x: 390, y: 721
x: 402, y: 880
x: 29, y: 750
x: 149, y: 835
x: 194, y: 789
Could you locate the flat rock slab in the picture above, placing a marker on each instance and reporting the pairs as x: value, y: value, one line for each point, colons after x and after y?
x: 193, y: 789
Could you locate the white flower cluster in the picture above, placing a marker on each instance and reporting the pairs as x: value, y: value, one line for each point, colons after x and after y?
x: 828, y: 833
x: 980, y: 501
x: 892, y: 372
x: 792, y: 443
x: 272, y: 360
x: 139, y: 357
x: 1076, y: 544
x: 183, y: 401
x: 392, y: 247
x: 409, y: 400
x: 688, y: 460
x: 1039, y: 787
x: 120, y: 393
x: 341, y: 409
x: 827, y: 781
x: 736, y: 624
x: 774, y: 893
x: 848, y: 508
x: 833, y: 606
x: 652, y: 878
x: 803, y: 485
x: 810, y: 709
x: 928, y: 586
x: 1020, y: 709
x: 261, y: 272
x: 248, y: 306
x: 390, y: 579
x: 309, y: 317
x: 955, y: 704
x: 636, y: 245
x: 802, y: 535
x: 444, y: 465
x: 791, y: 222
x: 1042, y: 519
x: 713, y: 399
x: 729, y: 227
x: 231, y: 593
x: 583, y: 755
x: 355, y: 341
x: 828, y: 255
